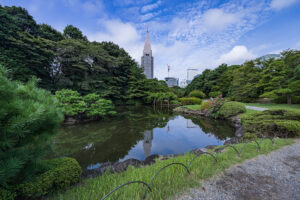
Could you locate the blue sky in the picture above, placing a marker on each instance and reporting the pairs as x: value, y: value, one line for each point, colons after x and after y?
x: 184, y: 34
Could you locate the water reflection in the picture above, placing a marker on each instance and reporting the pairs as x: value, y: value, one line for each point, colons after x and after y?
x: 137, y: 132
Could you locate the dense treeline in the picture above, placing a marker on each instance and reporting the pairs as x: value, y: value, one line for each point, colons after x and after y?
x: 69, y: 61
x: 277, y: 79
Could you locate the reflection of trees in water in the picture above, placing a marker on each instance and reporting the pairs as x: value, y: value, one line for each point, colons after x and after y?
x: 219, y: 128
x: 110, y: 139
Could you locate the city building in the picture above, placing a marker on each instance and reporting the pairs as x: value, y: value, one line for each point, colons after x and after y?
x: 147, y: 142
x: 171, y: 81
x: 191, y: 73
x: 147, y: 58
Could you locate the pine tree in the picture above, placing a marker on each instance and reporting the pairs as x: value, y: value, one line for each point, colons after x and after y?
x: 28, y: 118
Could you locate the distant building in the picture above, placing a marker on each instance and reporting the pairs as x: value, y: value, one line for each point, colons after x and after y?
x: 147, y: 59
x: 171, y: 81
x: 147, y: 142
x: 191, y: 73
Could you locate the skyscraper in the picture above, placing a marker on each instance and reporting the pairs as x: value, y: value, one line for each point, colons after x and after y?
x: 147, y: 59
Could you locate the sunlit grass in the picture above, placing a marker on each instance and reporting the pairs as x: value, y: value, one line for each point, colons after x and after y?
x: 171, y: 181
x: 193, y: 107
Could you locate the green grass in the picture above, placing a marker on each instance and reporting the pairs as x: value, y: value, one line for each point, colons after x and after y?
x: 171, y: 181
x: 275, y: 106
x: 192, y: 107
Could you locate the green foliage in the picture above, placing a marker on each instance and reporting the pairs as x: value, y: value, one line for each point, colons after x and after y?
x: 190, y: 101
x: 63, y: 172
x: 214, y: 94
x: 28, y: 118
x: 73, y: 33
x: 197, y: 93
x: 272, y: 122
x: 91, y: 105
x: 230, y: 109
x: 178, y: 91
x: 7, y: 194
x: 206, y: 105
x: 214, y: 107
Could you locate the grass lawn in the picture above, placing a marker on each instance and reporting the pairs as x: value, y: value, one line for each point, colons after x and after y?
x: 275, y: 106
x: 171, y: 181
x: 192, y: 107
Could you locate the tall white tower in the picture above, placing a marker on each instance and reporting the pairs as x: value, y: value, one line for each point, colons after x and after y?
x: 147, y: 58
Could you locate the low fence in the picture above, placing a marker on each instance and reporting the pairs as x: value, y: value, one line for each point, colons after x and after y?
x: 258, y: 143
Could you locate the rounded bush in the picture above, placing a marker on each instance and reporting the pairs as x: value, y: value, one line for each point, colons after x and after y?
x: 214, y: 94
x: 206, y: 105
x: 190, y: 101
x: 63, y: 172
x: 231, y: 109
x: 197, y: 94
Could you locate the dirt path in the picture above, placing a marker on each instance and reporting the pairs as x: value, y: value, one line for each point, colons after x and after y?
x: 275, y: 176
x: 256, y: 108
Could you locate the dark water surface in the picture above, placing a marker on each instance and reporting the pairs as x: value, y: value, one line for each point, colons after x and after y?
x: 137, y: 132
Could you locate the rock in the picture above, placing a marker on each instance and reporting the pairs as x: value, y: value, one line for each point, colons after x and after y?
x: 122, y: 166
x: 211, y: 146
x: 150, y: 159
x: 197, y: 151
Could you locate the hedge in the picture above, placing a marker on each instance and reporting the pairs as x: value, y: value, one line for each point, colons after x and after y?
x: 7, y: 195
x: 273, y: 123
x: 230, y: 109
x: 197, y: 94
x: 63, y: 173
x: 190, y: 100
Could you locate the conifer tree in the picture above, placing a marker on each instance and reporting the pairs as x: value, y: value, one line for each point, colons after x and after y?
x: 28, y: 118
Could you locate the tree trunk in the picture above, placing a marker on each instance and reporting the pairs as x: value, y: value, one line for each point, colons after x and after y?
x: 289, y: 98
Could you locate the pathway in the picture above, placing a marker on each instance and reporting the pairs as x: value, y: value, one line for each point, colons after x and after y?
x: 275, y: 176
x: 256, y: 108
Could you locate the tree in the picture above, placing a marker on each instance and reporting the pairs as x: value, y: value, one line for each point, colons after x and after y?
x: 72, y: 32
x: 28, y: 118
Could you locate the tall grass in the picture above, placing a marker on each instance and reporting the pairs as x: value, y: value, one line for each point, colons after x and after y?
x: 171, y: 181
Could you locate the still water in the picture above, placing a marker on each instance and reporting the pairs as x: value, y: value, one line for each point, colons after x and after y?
x: 137, y: 132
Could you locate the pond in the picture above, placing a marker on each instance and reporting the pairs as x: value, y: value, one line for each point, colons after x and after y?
x: 137, y: 132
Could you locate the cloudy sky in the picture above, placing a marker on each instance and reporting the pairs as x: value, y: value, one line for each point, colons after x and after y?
x: 184, y: 33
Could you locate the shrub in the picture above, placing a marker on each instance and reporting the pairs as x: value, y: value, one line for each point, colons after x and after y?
x: 7, y: 195
x: 88, y: 106
x: 63, y: 172
x: 190, y: 101
x: 216, y: 104
x: 206, y: 105
x: 231, y: 109
x: 215, y: 94
x: 28, y: 118
x: 197, y: 93
x: 273, y: 123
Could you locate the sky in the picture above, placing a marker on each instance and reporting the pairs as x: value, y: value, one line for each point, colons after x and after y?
x: 197, y: 34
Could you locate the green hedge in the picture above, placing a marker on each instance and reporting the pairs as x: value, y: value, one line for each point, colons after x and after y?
x: 206, y: 105
x: 190, y: 101
x: 272, y: 122
x: 63, y: 173
x: 197, y: 94
x: 230, y: 109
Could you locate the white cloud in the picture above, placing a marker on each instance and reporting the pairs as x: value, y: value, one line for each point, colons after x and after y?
x: 217, y: 19
x: 150, y: 7
x: 237, y: 55
x: 280, y: 4
x: 123, y: 34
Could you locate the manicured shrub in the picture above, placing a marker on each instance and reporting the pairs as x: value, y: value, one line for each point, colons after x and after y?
x: 230, y: 109
x: 206, y: 105
x: 89, y: 106
x: 273, y: 123
x: 214, y: 94
x: 197, y: 93
x: 190, y: 101
x: 7, y: 195
x: 63, y: 172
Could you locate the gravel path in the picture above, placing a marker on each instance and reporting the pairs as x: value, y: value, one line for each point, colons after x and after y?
x: 275, y: 176
x: 256, y: 108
